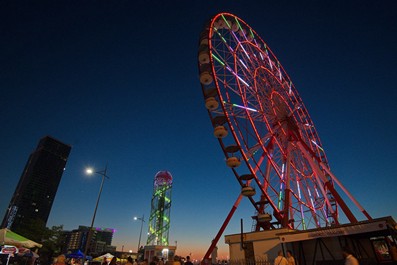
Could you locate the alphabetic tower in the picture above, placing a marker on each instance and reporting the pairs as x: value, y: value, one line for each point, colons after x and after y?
x: 159, y: 220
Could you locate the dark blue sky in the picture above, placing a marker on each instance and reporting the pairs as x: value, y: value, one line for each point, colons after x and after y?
x: 118, y: 80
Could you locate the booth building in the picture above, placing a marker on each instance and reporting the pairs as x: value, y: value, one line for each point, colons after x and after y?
x: 373, y: 242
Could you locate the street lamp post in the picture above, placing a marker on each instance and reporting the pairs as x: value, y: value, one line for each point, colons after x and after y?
x: 90, y: 171
x: 142, y: 219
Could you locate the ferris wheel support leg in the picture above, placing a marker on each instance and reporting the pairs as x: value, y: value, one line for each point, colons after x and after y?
x: 220, y: 232
x: 346, y: 192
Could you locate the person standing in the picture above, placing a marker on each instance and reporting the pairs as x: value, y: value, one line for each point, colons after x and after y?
x: 129, y: 261
x: 188, y: 262
x: 290, y: 258
x: 105, y: 261
x: 61, y: 260
x: 154, y: 261
x: 177, y: 260
x: 349, y: 258
x: 280, y: 260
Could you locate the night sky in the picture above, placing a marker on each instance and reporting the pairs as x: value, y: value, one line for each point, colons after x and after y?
x: 118, y: 81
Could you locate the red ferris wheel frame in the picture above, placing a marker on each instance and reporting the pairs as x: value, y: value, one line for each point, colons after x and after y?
x: 265, y: 131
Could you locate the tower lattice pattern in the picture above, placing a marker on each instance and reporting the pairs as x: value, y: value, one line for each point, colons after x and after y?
x: 159, y: 220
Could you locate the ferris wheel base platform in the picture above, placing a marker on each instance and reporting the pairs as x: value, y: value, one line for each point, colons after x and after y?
x: 371, y: 241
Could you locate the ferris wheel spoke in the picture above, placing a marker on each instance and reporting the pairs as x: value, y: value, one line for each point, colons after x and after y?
x: 244, y: 112
x: 249, y: 63
x: 319, y: 177
x: 266, y: 177
x: 257, y: 163
x: 309, y: 202
x: 311, y: 208
x: 224, y: 40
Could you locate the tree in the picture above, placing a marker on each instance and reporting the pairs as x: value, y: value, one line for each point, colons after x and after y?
x: 51, y: 239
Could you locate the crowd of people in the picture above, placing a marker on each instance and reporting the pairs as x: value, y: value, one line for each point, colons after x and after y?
x: 288, y: 259
x: 279, y: 260
x: 176, y: 260
x: 62, y: 260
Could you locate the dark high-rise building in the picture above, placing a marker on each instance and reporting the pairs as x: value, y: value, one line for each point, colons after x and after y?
x: 38, y: 185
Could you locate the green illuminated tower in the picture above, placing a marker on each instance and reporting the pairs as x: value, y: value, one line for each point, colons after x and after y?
x: 159, y: 220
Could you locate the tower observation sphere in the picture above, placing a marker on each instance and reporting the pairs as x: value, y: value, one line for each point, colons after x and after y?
x: 159, y: 220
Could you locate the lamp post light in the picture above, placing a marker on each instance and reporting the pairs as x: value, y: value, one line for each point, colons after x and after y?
x: 142, y: 219
x: 90, y: 171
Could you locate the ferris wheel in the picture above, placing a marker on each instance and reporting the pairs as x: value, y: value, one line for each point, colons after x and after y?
x: 265, y: 131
